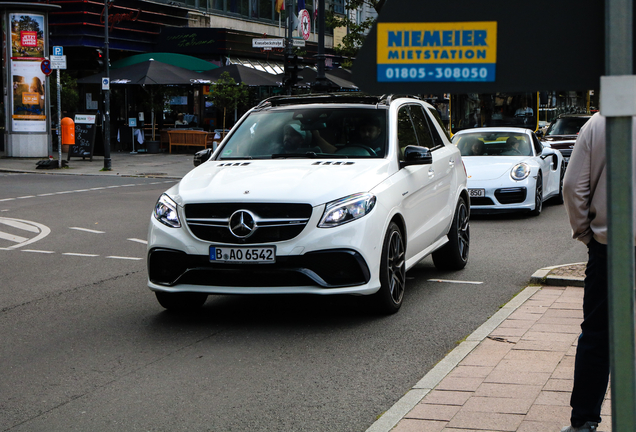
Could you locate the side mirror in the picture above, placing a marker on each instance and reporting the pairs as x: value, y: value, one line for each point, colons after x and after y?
x: 202, y: 156
x: 415, y: 155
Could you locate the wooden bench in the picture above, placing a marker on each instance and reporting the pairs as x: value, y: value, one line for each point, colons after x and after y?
x: 189, y: 138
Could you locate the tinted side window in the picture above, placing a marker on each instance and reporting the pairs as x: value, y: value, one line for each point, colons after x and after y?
x: 422, y: 127
x: 406, y: 133
x: 439, y: 121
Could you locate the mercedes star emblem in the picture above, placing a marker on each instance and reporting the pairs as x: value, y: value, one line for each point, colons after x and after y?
x: 242, y: 224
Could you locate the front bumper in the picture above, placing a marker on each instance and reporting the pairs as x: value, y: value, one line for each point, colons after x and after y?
x: 340, y: 260
x: 503, y: 197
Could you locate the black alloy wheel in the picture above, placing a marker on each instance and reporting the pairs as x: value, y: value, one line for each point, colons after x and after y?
x: 392, y: 272
x: 538, y: 197
x: 454, y: 254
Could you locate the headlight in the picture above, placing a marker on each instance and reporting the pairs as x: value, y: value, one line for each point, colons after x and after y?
x: 347, y: 209
x: 166, y: 212
x: 520, y: 171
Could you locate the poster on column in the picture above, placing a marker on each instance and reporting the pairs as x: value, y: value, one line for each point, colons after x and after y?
x: 27, y: 36
x: 28, y: 96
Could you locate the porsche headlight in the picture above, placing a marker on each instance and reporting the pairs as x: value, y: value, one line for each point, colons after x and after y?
x: 166, y: 212
x: 520, y: 171
x: 347, y: 209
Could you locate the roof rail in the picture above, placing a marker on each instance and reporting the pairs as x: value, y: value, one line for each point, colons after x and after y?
x: 320, y: 98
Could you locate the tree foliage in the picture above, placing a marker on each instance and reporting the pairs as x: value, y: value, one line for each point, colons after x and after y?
x: 227, y: 95
x: 354, y: 39
x: 69, y: 94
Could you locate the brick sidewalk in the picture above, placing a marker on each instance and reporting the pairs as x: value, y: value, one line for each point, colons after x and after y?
x: 518, y: 378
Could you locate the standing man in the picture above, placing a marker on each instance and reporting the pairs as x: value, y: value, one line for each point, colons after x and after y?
x: 585, y: 195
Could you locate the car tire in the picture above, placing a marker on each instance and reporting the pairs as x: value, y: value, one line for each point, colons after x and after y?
x: 454, y: 254
x: 388, y: 299
x: 181, y: 302
x: 538, y: 197
x: 559, y: 198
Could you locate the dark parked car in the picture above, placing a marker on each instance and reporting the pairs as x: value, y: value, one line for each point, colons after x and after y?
x: 562, y: 133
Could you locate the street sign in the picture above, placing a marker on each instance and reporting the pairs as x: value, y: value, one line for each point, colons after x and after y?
x: 268, y: 43
x: 58, y: 50
x: 58, y: 62
x: 45, y: 66
x: 105, y: 83
x: 298, y: 42
x: 305, y: 24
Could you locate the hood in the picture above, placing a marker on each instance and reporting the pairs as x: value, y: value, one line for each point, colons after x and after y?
x: 312, y: 181
x: 490, y: 168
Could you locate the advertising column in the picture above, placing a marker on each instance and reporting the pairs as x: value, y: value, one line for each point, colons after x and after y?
x: 28, y: 128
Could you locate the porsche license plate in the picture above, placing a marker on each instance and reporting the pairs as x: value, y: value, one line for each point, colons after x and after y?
x: 243, y: 255
x: 477, y: 193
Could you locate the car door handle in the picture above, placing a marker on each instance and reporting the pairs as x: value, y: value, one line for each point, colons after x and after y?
x: 431, y: 172
x: 451, y: 162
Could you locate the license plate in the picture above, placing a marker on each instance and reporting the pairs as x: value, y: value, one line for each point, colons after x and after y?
x: 477, y: 192
x: 243, y: 255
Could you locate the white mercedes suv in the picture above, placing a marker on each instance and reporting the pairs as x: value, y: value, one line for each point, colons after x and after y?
x: 320, y: 194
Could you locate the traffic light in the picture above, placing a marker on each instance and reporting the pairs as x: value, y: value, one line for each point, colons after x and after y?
x: 291, y: 70
x: 99, y: 57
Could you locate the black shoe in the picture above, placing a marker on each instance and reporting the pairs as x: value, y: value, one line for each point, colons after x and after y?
x: 587, y: 427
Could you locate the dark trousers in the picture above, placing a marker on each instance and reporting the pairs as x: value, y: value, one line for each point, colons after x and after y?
x: 592, y: 363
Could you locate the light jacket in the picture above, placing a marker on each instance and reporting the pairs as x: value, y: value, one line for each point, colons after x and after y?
x: 585, y: 182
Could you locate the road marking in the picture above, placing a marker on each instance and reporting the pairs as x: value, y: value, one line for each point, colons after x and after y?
x: 28, y: 196
x: 125, y: 258
x: 87, y: 230
x: 34, y: 227
x: 455, y: 281
x: 13, y: 238
x: 20, y: 225
x: 46, y: 194
x: 7, y: 199
x: 38, y: 251
x: 80, y: 254
x: 138, y: 240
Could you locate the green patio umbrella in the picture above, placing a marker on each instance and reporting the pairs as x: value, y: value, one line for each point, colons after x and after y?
x: 180, y: 60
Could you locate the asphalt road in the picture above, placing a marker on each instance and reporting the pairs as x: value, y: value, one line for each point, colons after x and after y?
x: 85, y: 346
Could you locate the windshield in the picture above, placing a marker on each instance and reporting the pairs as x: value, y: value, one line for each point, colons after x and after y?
x: 474, y: 110
x: 309, y: 132
x: 493, y: 144
x: 567, y: 126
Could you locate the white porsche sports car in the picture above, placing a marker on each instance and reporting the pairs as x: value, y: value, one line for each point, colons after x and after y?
x: 509, y: 170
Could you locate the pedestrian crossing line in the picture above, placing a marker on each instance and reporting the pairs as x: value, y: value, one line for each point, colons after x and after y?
x: 38, y: 251
x: 138, y: 240
x: 80, y: 254
x: 124, y: 258
x: 87, y: 230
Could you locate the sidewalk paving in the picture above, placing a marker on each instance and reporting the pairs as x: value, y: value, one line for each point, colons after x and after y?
x: 514, y: 373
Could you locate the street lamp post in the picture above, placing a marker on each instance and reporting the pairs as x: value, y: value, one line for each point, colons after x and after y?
x: 107, y: 160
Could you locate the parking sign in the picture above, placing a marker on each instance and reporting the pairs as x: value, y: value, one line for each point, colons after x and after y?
x: 58, y: 51
x: 105, y: 84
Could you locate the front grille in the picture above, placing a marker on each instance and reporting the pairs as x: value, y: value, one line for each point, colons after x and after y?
x: 276, y: 222
x: 511, y: 195
x: 477, y: 201
x: 325, y: 269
